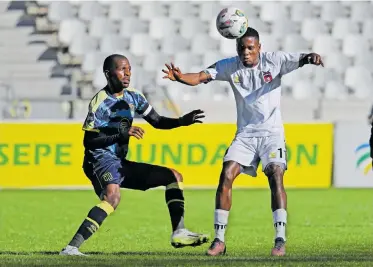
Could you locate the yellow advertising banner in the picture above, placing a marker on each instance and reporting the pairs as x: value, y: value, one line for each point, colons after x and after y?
x: 51, y: 155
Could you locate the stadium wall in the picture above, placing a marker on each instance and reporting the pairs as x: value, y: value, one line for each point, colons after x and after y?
x: 49, y: 155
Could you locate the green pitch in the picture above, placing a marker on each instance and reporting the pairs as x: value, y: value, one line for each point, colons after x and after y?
x: 326, y: 228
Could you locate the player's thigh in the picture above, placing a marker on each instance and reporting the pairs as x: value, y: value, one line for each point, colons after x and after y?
x: 102, y: 176
x: 244, y: 151
x: 143, y: 176
x: 272, y: 150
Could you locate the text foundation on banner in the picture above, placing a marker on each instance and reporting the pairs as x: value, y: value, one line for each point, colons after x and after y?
x: 51, y: 155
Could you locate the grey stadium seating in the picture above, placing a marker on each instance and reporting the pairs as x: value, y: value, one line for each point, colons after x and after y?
x: 51, y: 54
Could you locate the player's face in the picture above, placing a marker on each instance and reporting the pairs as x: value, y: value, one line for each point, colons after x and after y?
x: 122, y: 72
x: 248, y: 49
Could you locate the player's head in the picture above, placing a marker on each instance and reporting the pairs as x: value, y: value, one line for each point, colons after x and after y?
x: 248, y: 47
x: 117, y: 70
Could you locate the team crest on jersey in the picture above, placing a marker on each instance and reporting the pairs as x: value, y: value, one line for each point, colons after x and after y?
x: 236, y: 79
x: 267, y: 76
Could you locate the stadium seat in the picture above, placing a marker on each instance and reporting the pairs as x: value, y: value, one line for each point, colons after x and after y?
x: 368, y: 29
x: 130, y: 26
x: 299, y: 110
x: 185, y: 60
x: 119, y: 10
x: 82, y: 45
x: 70, y: 28
x: 38, y: 89
x: 312, y: 27
x: 343, y: 27
x: 178, y: 10
x: 273, y: 11
x: 364, y: 59
x: 191, y: 26
x: 112, y: 43
x: 291, y: 78
x: 337, y: 61
x: 99, y: 80
x: 202, y: 43
x: 295, y: 43
x: 208, y: 10
x: 161, y: 27
x: 330, y: 11
x: 283, y: 27
x: 301, y: 10
x: 151, y: 9
x: 269, y: 43
x: 325, y: 44
x: 228, y: 47
x: 142, y: 44
x: 303, y: 89
x: 152, y: 61
x: 335, y: 90
x: 357, y: 76
x: 361, y: 11
x: 175, y: 44
x: 210, y: 57
x: 322, y: 75
x: 354, y: 44
x: 100, y: 26
x: 91, y: 61
x: 89, y: 10
x: 59, y: 11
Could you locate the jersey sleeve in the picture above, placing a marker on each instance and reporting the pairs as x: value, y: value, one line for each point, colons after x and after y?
x: 94, y: 119
x: 143, y: 107
x: 218, y: 71
x: 288, y: 61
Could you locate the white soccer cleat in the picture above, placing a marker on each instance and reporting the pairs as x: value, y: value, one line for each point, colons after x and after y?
x: 71, y: 251
x: 183, y: 237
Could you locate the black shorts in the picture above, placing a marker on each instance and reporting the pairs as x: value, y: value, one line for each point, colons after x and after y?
x: 128, y: 174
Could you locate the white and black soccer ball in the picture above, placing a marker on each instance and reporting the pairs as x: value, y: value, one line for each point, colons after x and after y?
x: 231, y: 23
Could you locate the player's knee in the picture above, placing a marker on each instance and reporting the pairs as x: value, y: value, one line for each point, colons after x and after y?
x: 228, y: 176
x: 112, y: 196
x: 275, y: 174
x: 178, y: 176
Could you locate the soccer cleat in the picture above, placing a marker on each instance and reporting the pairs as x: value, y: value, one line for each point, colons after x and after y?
x: 279, y: 248
x: 183, y: 237
x: 71, y: 251
x: 217, y: 248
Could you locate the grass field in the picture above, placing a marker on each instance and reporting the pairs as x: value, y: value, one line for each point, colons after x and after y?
x: 326, y: 228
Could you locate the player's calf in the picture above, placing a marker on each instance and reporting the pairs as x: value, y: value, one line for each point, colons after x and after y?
x: 94, y: 220
x: 275, y: 175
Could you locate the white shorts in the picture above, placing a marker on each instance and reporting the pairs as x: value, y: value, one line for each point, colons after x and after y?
x: 249, y: 151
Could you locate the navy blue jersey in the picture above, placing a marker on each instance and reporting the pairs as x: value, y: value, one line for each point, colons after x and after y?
x: 106, y: 113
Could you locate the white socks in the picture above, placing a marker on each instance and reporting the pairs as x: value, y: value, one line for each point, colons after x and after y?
x: 280, y: 220
x: 220, y: 223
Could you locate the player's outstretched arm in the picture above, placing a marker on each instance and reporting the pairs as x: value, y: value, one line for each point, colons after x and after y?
x: 165, y: 123
x: 174, y: 74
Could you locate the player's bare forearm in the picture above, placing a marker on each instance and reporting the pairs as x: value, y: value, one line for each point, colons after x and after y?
x: 192, y: 79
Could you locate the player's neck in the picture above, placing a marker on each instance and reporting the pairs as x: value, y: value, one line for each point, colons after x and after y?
x: 252, y: 65
x: 115, y: 92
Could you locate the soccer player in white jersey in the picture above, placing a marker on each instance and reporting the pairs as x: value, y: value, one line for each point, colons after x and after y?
x: 255, y: 78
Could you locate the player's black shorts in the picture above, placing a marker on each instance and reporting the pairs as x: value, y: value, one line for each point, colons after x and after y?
x: 128, y: 174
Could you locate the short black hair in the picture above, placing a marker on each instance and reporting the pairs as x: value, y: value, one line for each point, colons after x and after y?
x: 109, y: 62
x: 251, y: 32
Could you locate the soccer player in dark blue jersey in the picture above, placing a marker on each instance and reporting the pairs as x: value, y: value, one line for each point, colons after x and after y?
x: 108, y: 128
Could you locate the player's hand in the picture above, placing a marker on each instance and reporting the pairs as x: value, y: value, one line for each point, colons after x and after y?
x: 173, y: 73
x: 192, y: 117
x: 136, y: 132
x: 315, y: 59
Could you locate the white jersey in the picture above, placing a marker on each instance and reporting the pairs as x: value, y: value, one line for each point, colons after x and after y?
x: 257, y: 90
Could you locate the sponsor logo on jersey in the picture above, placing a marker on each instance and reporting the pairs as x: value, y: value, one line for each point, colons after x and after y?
x: 267, y: 76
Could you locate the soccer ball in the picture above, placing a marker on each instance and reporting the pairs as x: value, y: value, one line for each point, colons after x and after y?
x: 231, y: 23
